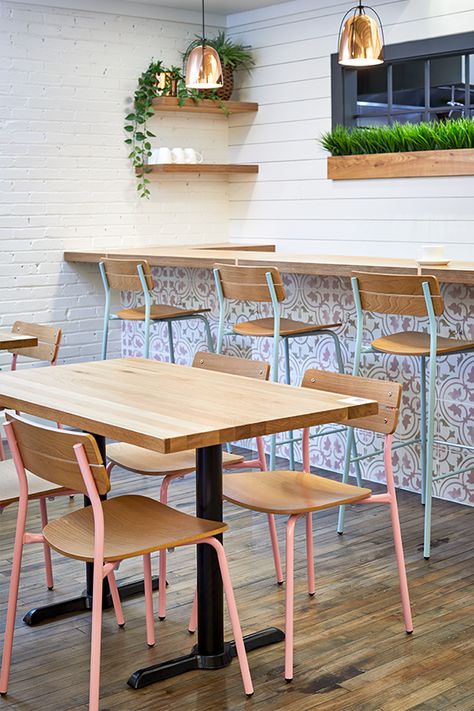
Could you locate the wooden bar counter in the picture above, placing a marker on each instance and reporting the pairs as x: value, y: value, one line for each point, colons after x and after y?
x: 205, y: 256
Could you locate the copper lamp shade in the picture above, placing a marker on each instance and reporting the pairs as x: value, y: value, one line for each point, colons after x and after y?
x: 203, y: 68
x: 360, y: 39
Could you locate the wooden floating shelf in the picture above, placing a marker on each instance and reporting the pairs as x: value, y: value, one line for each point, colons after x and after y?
x: 201, y: 168
x: 206, y: 106
x: 402, y: 165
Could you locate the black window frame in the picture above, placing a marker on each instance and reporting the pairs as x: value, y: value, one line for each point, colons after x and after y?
x: 344, y: 79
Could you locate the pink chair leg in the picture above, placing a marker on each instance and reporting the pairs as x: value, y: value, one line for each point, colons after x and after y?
x: 310, y: 553
x: 150, y: 622
x: 47, y: 550
x: 193, y: 618
x: 290, y: 560
x: 397, y: 536
x: 116, y: 599
x: 96, y: 637
x: 162, y: 573
x: 233, y: 614
x: 275, y: 549
x: 13, y: 596
x: 2, y: 450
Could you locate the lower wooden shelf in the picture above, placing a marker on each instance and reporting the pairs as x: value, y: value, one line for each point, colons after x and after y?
x: 402, y: 165
x: 201, y: 168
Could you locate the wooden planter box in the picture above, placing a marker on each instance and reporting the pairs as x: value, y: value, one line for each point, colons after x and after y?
x: 402, y: 165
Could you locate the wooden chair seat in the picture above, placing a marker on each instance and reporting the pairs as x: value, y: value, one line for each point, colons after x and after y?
x: 415, y: 343
x: 145, y: 461
x: 134, y: 526
x: 158, y: 312
x: 10, y: 488
x: 288, y: 327
x: 289, y: 492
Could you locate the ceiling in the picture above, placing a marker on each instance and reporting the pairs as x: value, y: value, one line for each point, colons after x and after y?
x: 223, y: 7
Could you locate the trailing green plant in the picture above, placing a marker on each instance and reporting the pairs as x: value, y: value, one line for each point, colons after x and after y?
x: 400, y: 137
x: 235, y: 55
x: 136, y: 121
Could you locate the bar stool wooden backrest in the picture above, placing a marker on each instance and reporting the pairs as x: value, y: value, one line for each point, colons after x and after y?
x: 127, y: 274
x: 397, y: 293
x: 49, y: 453
x: 232, y: 365
x: 387, y: 393
x: 49, y: 340
x: 262, y: 284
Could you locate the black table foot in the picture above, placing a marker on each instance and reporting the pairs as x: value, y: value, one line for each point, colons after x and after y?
x: 194, y: 660
x: 82, y: 603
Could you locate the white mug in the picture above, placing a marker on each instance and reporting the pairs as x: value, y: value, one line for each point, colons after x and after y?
x: 431, y: 252
x: 177, y: 155
x: 161, y: 155
x: 192, y: 156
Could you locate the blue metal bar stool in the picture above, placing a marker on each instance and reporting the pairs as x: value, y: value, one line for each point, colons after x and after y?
x: 135, y: 275
x: 408, y: 296
x: 264, y: 285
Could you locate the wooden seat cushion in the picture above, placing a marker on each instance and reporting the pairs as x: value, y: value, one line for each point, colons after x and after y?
x: 145, y: 461
x: 288, y: 327
x: 415, y: 343
x: 288, y: 492
x: 158, y: 312
x: 10, y: 488
x: 134, y: 525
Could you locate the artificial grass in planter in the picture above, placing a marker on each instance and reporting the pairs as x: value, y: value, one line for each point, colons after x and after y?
x: 400, y: 138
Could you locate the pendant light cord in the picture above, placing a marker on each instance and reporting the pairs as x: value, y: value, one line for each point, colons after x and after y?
x: 203, y: 26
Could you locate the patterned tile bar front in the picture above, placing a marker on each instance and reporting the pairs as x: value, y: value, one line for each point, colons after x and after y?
x: 326, y: 299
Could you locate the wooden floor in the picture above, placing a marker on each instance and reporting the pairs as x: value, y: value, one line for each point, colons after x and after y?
x: 351, y: 651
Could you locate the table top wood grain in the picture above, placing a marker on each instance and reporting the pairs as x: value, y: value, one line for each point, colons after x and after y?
x: 170, y: 408
x: 16, y: 340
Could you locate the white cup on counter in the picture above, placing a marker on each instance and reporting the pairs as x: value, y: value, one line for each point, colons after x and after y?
x: 161, y: 155
x: 192, y: 156
x: 431, y: 253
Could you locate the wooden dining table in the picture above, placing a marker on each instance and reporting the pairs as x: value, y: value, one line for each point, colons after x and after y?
x: 171, y: 408
x: 10, y: 340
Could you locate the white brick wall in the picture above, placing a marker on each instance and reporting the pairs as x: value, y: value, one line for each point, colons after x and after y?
x: 66, y: 79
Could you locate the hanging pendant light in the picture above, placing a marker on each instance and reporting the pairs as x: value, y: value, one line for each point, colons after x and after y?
x: 361, y: 38
x: 203, y: 68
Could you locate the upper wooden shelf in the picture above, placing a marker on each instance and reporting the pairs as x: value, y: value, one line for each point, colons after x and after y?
x: 202, y: 168
x: 206, y: 106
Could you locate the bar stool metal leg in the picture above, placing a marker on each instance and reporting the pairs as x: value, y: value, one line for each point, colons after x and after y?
x: 423, y: 427
x: 170, y: 341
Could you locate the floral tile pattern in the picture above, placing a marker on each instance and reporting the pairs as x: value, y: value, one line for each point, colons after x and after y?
x: 325, y: 299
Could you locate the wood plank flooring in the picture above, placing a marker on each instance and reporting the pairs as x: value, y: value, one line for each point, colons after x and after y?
x: 351, y: 651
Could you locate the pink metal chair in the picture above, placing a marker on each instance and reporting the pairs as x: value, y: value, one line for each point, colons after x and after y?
x: 47, y: 349
x: 298, y: 494
x: 175, y: 466
x: 104, y: 534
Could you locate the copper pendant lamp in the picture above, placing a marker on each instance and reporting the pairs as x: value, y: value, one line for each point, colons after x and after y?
x: 361, y: 38
x: 203, y: 67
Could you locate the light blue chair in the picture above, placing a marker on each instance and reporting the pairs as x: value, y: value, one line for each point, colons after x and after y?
x: 419, y: 296
x: 264, y: 285
x: 135, y: 275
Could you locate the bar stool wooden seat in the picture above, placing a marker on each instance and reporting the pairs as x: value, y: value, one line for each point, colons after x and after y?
x: 299, y: 494
x: 135, y: 275
x: 47, y: 349
x: 408, y: 295
x: 265, y: 285
x: 105, y: 533
x: 176, y: 465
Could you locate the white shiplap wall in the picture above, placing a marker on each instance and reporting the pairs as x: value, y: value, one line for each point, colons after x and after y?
x: 292, y: 202
x: 66, y: 79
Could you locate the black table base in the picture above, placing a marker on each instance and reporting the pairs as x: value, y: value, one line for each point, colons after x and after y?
x: 82, y: 603
x: 194, y: 660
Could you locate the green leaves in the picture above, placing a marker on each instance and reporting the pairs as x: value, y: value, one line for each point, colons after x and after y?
x: 400, y: 138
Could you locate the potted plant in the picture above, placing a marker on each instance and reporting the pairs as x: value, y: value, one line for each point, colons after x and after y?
x: 233, y: 55
x: 401, y: 150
